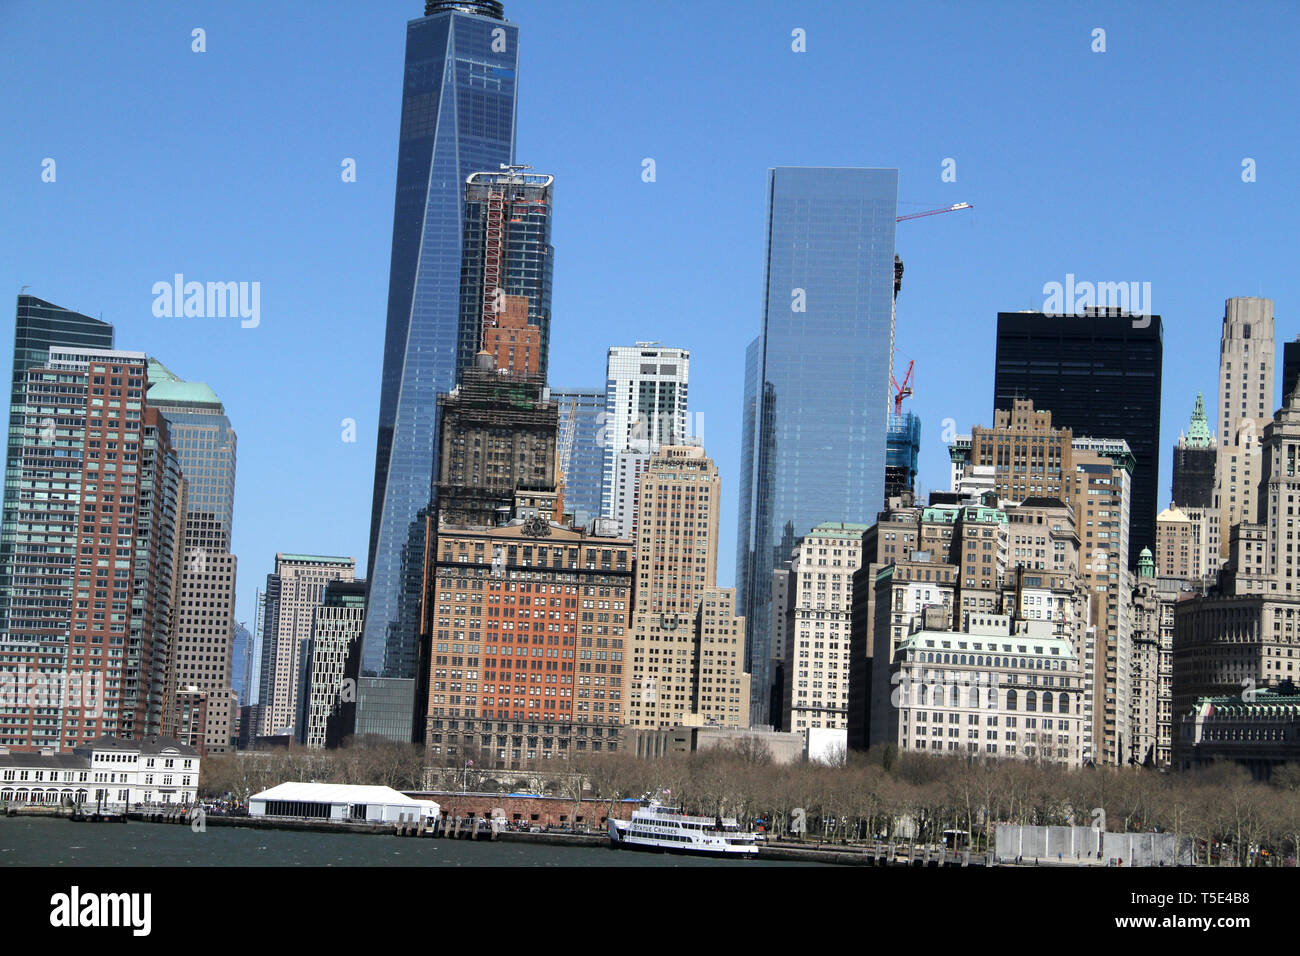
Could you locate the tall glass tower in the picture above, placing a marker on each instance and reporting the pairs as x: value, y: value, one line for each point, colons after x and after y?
x: 39, y: 326
x: 205, y: 616
x: 816, y: 406
x: 458, y: 118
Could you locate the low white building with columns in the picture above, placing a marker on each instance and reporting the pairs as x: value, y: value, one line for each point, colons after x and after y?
x: 108, y: 772
x: 1003, y: 688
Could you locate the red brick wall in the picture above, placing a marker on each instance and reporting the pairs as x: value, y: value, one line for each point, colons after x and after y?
x: 542, y: 811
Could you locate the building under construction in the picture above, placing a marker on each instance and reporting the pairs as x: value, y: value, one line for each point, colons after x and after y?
x: 506, y: 253
x: 902, y: 450
x: 498, y: 436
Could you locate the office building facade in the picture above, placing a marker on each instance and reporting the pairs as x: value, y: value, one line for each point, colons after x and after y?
x: 582, y: 450
x: 526, y: 624
x: 498, y: 435
x: 813, y: 669
x: 1015, y: 692
x: 1099, y: 375
x: 670, y: 676
x: 39, y: 325
x: 1246, y: 353
x: 293, y: 593
x: 646, y: 392
x: 817, y: 397
x: 335, y: 629
x: 206, y: 444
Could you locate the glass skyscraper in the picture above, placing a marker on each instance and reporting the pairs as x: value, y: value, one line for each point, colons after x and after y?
x: 207, y: 446
x: 582, y: 423
x: 206, y: 443
x: 458, y: 118
x: 39, y: 326
x: 817, y: 395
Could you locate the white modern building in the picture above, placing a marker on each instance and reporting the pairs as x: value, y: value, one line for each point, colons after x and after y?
x: 645, y: 400
x: 341, y: 802
x: 109, y: 772
x: 629, y: 463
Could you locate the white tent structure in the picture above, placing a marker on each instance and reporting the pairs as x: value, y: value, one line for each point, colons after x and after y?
x: 341, y: 802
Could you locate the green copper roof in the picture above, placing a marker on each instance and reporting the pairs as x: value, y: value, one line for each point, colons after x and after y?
x: 842, y: 529
x: 166, y: 388
x: 315, y: 558
x: 1146, y: 564
x: 1198, y: 432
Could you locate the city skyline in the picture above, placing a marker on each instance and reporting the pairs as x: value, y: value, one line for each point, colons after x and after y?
x: 941, y: 255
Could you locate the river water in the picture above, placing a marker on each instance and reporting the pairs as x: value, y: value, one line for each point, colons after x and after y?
x: 37, y: 841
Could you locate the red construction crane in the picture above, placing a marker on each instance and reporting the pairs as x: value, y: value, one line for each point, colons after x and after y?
x: 935, y: 212
x: 902, y: 391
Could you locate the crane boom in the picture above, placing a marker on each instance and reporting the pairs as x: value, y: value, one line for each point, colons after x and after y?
x: 902, y: 391
x: 934, y: 212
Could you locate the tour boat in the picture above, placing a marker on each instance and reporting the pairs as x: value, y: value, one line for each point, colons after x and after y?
x: 664, y: 829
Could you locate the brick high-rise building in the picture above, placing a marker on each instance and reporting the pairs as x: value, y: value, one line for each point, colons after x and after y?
x: 39, y: 325
x: 1187, y: 543
x: 1043, y: 454
x: 96, y: 493
x: 1101, y: 498
x: 526, y: 625
x: 513, y: 344
x: 676, y: 564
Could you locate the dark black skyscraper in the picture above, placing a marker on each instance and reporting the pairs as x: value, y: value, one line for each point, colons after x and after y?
x: 1099, y: 375
x: 1290, y: 368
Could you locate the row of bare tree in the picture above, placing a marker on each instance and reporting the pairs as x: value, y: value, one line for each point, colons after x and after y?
x: 880, y: 795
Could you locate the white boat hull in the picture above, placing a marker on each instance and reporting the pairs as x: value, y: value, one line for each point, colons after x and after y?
x: 623, y: 835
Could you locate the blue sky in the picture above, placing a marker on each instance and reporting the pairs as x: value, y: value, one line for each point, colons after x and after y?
x: 225, y: 165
